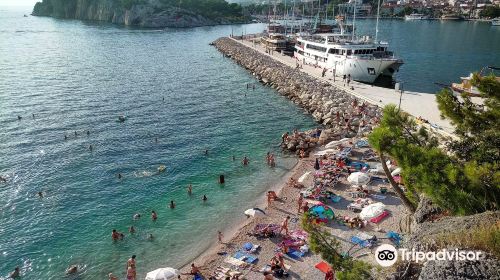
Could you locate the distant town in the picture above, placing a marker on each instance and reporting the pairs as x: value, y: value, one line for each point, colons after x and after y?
x: 431, y: 9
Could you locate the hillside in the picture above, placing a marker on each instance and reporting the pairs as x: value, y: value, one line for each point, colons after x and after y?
x: 144, y: 13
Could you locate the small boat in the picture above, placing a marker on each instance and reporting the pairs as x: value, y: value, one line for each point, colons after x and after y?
x: 451, y: 17
x: 495, y: 21
x: 415, y: 16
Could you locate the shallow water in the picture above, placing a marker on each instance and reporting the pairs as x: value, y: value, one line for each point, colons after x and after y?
x: 79, y: 76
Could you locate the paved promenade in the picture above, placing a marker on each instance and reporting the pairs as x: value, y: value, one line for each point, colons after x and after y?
x: 415, y: 103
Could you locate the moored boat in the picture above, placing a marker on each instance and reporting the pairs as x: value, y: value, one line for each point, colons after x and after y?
x: 415, y: 16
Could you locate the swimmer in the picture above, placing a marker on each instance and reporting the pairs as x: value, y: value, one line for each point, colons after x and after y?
x: 40, y: 194
x: 88, y: 132
x: 172, y: 204
x: 206, y: 152
x: 112, y: 277
x: 204, y: 197
x: 131, y: 262
x: 19, y: 118
x: 76, y: 133
x: 115, y: 235
x: 91, y: 148
x: 245, y: 161
x: 65, y: 137
x: 16, y: 273
x: 150, y: 236
x: 72, y: 269
x: 234, y: 158
x: 131, y: 229
x: 137, y: 216
x: 154, y: 216
x: 33, y: 115
x: 156, y: 139
x: 120, y: 176
x: 190, y: 189
x: 3, y: 179
x: 122, y: 236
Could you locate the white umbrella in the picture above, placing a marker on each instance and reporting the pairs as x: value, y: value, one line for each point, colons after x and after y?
x: 254, y: 212
x: 396, y: 171
x: 358, y: 178
x: 304, y: 177
x: 372, y: 210
x: 335, y: 143
x: 164, y: 273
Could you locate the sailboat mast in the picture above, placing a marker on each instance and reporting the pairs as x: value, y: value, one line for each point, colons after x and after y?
x: 354, y: 20
x: 376, y: 26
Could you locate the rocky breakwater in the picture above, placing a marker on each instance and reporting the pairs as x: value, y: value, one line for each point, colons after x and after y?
x: 341, y: 114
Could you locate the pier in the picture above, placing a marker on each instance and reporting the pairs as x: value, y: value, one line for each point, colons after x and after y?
x: 417, y: 104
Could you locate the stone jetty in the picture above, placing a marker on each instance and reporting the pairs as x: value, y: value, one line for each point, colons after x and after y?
x: 341, y: 114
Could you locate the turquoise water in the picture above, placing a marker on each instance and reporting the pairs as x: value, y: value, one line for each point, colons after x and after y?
x: 79, y: 76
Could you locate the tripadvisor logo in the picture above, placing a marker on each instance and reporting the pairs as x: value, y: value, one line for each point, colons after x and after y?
x: 387, y: 255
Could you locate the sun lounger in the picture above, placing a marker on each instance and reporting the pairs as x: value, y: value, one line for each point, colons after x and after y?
x: 380, y: 217
x: 245, y: 257
x: 250, y: 248
x: 361, y: 242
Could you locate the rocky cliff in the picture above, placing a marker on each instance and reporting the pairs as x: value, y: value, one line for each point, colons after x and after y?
x: 145, y: 13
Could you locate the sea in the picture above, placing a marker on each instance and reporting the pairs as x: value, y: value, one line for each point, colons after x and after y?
x: 70, y: 80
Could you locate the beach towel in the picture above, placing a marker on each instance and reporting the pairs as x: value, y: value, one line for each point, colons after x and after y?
x: 295, y: 254
x: 323, y: 267
x: 245, y: 257
x: 394, y: 237
x: 298, y: 234
x: 379, y: 217
x: 232, y: 261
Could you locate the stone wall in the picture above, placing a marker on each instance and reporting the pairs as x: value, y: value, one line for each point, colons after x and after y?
x: 339, y: 112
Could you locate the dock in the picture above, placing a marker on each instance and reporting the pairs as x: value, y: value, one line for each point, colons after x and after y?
x: 417, y: 104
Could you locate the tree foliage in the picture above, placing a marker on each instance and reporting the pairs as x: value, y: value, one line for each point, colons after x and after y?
x: 490, y: 12
x: 326, y: 245
x: 465, y: 177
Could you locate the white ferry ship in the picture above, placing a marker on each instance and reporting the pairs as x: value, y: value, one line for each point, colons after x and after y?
x: 415, y: 16
x: 342, y: 53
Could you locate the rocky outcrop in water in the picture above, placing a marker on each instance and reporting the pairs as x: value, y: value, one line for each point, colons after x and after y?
x: 150, y: 13
x: 339, y: 112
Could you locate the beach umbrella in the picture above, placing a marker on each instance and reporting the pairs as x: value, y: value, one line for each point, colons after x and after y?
x: 396, y: 171
x: 358, y: 178
x: 372, y: 210
x: 304, y: 177
x: 254, y: 212
x: 316, y: 164
x: 164, y: 273
x: 335, y: 143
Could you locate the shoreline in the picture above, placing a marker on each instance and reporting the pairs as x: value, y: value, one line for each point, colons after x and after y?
x: 231, y: 233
